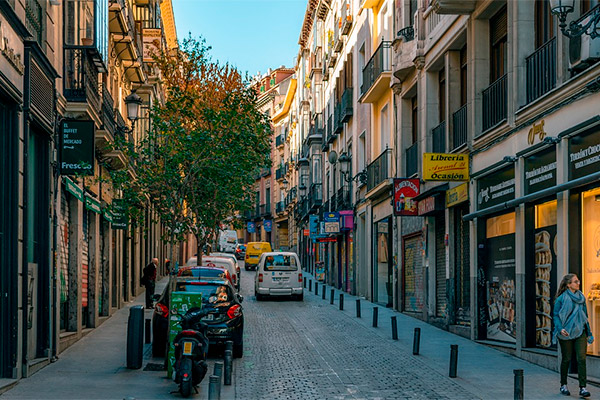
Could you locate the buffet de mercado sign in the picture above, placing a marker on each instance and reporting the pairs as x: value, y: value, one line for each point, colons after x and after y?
x: 445, y: 167
x: 77, y: 147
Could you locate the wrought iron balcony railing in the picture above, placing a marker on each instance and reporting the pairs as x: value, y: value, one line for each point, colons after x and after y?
x: 541, y: 70
x: 494, y: 103
x: 379, y: 170
x: 316, y: 195
x: 412, y: 159
x: 80, y: 79
x: 438, y: 137
x: 380, y: 62
x: 459, y: 122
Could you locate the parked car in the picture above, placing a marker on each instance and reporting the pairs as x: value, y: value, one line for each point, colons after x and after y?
x: 225, y: 319
x: 278, y: 274
x: 232, y: 258
x: 218, y: 261
x: 240, y: 251
x: 253, y: 252
x: 205, y: 273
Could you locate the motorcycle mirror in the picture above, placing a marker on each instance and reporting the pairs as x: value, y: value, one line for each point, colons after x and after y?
x: 240, y: 298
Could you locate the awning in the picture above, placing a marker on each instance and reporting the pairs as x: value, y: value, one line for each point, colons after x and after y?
x: 432, y: 192
x: 534, y: 196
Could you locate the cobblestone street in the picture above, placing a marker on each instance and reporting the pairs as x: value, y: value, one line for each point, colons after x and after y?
x: 309, y: 350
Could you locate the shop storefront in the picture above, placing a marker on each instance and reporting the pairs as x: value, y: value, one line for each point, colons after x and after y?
x: 382, y: 262
x: 496, y: 254
x: 413, y: 274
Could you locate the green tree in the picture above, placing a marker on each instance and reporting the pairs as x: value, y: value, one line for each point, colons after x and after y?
x: 207, y: 141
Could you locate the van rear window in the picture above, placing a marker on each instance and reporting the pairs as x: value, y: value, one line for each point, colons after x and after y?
x: 280, y: 263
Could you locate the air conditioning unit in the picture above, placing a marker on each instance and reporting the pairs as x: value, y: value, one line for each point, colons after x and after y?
x: 583, y: 50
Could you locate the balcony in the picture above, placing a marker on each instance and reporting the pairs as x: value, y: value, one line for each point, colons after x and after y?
x: 453, y: 6
x: 346, y: 105
x: 438, y: 138
x: 412, y: 160
x: 338, y: 41
x: 316, y: 129
x: 105, y: 135
x: 279, y: 140
x: 81, y: 79
x: 338, y: 125
x: 459, y: 123
x: 280, y: 172
x: 541, y: 70
x: 265, y: 210
x: 406, y: 54
x: 316, y: 62
x: 326, y: 67
x: 380, y: 170
x: 377, y: 74
x: 494, y: 103
x: 265, y: 172
x: 346, y: 17
x: 330, y: 134
x: 342, y: 199
x: 280, y: 207
x: 315, y: 196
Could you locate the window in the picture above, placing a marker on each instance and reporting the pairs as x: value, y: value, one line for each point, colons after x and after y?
x: 587, y: 5
x: 442, y: 94
x: 362, y: 151
x: 414, y: 120
x: 361, y: 64
x: 498, y: 37
x: 544, y: 23
x: 211, y: 293
x: 385, y: 128
x: 463, y: 76
x: 280, y: 263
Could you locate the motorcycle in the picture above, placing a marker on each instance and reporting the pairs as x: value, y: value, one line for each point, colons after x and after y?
x: 191, y: 346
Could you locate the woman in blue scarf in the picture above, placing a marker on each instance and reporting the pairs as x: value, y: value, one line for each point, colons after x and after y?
x: 572, y: 330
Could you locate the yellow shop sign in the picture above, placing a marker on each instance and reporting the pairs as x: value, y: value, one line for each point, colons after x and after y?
x: 445, y: 167
x: 457, y: 195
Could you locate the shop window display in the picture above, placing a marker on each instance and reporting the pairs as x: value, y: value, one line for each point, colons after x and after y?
x: 500, y: 278
x: 590, y: 205
x: 545, y: 271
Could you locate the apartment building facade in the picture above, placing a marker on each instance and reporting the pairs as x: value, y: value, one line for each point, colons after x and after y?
x: 496, y: 83
x: 67, y: 68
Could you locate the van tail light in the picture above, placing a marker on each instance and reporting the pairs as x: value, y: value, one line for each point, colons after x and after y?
x: 300, y: 277
x: 234, y: 311
x: 260, y: 277
x: 235, y: 279
x: 162, y: 310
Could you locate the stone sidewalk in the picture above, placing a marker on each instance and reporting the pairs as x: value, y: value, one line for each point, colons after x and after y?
x: 95, y: 368
x: 485, y: 372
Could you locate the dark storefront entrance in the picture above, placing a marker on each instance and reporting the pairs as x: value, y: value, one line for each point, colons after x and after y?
x: 382, y: 262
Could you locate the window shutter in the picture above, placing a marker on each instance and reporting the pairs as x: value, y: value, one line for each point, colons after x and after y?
x: 498, y: 26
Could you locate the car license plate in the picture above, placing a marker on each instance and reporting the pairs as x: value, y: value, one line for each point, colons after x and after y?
x: 208, y: 317
x: 187, y: 348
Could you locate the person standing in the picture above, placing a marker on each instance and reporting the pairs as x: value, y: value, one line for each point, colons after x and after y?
x: 572, y: 329
x: 149, y: 281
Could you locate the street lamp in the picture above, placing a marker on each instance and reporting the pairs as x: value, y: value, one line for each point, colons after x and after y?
x: 133, y: 103
x: 284, y: 183
x: 562, y: 8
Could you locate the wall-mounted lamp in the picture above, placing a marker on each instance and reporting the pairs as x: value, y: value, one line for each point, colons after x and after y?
x: 562, y: 8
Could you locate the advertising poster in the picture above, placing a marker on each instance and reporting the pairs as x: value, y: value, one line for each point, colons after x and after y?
x: 77, y: 148
x: 119, y: 214
x: 313, y: 225
x: 501, y: 288
x: 251, y: 227
x: 268, y: 224
x: 152, y: 43
x: 405, y: 190
x: 181, y: 302
x: 545, y: 283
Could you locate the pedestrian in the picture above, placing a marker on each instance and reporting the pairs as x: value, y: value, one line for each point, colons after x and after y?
x: 149, y: 281
x: 572, y: 329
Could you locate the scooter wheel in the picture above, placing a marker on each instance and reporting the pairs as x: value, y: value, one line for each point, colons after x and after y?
x: 186, y: 388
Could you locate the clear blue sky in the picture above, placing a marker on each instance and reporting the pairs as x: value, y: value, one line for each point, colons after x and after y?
x: 253, y: 35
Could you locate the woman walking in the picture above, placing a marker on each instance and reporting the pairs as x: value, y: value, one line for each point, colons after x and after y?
x: 572, y: 330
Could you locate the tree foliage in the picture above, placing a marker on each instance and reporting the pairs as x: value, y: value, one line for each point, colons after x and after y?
x: 207, y: 140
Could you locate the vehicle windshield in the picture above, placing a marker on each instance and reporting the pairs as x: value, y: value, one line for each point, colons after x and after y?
x: 211, y: 293
x: 280, y: 263
x: 203, y: 272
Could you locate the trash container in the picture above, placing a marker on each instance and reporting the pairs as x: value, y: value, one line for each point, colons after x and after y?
x: 135, y: 337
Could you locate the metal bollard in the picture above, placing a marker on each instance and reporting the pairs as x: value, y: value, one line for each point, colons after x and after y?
x: 332, y: 296
x: 375, y: 316
x: 417, y: 341
x: 453, y: 360
x: 316, y: 288
x: 394, y: 328
x: 214, y: 388
x: 218, y: 371
x: 519, y: 389
x: 305, y: 283
x: 341, y: 301
x: 228, y: 368
x: 323, y: 293
x: 310, y: 285
x: 148, y: 331
x: 229, y: 345
x: 357, y: 308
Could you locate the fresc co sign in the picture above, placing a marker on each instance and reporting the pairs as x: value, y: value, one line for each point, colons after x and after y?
x: 77, y: 147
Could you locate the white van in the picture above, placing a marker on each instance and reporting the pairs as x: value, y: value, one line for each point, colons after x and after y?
x: 222, y: 262
x: 278, y: 274
x: 228, y: 241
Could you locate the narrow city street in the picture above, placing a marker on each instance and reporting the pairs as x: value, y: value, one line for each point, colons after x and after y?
x: 298, y: 350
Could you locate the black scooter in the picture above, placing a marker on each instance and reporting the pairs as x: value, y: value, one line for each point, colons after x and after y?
x: 191, y: 346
